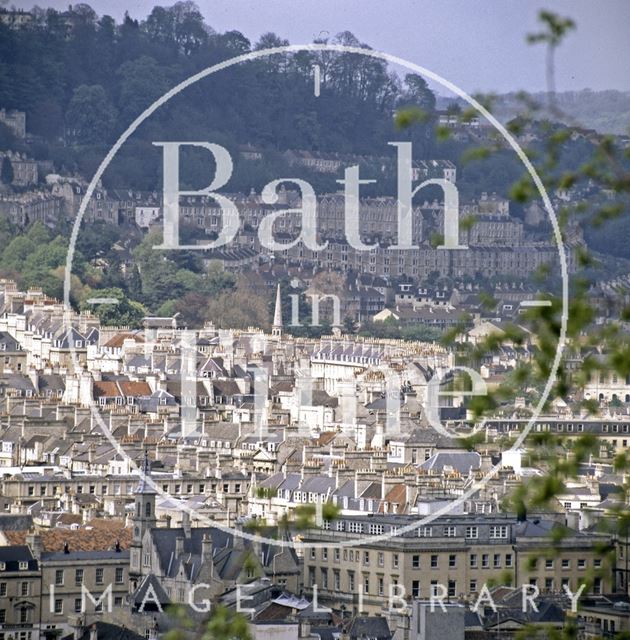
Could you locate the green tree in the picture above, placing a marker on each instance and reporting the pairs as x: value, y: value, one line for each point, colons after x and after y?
x: 91, y: 117
x: 125, y: 312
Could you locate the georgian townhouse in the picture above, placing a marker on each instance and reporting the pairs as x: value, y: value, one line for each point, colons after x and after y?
x: 20, y: 593
x: 461, y: 553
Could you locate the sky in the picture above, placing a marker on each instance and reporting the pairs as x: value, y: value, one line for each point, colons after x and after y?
x: 480, y: 45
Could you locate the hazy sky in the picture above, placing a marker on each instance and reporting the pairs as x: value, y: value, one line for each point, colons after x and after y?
x: 477, y: 44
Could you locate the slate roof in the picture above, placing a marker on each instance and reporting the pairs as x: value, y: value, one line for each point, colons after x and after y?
x: 51, y: 382
x: 164, y: 541
x: 461, y: 461
x: 107, y: 631
x: 150, y: 581
x: 370, y: 627
x: 80, y: 556
x: 15, y: 522
x: 548, y: 613
x: 14, y: 554
x: 17, y: 382
x: 9, y: 342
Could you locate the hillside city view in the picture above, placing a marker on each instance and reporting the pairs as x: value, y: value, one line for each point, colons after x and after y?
x: 314, y: 320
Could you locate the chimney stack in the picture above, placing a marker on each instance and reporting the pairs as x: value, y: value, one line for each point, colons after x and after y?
x: 206, y: 548
x: 77, y: 625
x: 179, y: 546
x: 34, y: 541
x: 186, y: 523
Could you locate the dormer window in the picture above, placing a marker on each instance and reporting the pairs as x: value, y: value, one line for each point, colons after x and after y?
x: 23, y: 565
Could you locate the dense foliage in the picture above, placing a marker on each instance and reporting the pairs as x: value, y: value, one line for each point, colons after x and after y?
x: 82, y: 79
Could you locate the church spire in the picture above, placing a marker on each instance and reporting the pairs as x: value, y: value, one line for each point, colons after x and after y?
x: 276, y: 330
x: 144, y: 485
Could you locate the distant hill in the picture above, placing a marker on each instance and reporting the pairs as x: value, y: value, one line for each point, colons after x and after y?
x: 604, y: 111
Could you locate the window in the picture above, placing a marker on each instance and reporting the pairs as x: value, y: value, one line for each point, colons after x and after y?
x: 472, y: 586
x: 337, y: 554
x: 496, y: 561
x: 313, y: 553
x: 24, y: 588
x: 415, y: 588
x: 508, y: 559
x: 59, y: 577
x: 415, y: 561
x: 565, y: 563
x: 366, y: 557
x: 78, y: 576
x: 366, y: 584
x: 119, y: 575
x: 473, y: 560
x: 452, y: 588
x: 434, y: 562
x: 77, y: 605
x: 99, y: 575
x: 581, y: 563
x: 452, y: 561
x: 3, y: 616
x: 449, y: 532
x: 58, y: 605
x: 549, y: 584
x: 425, y: 532
x: 351, y: 581
x: 395, y: 561
x: 472, y: 532
x: 355, y: 527
x: 499, y: 532
x: 548, y: 564
x: 485, y: 561
x: 380, y: 586
x: 324, y: 554
x: 3, y: 589
x: 381, y: 558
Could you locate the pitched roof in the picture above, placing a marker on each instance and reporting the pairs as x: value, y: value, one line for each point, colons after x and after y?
x: 99, y: 535
x: 107, y: 631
